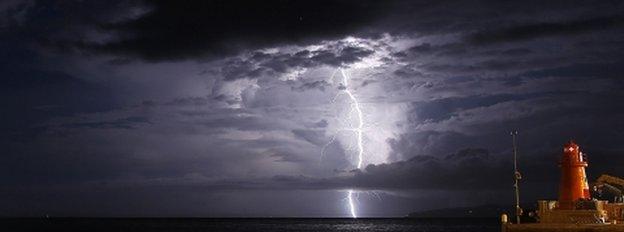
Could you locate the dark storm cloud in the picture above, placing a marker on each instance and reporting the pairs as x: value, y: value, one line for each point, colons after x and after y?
x: 175, y: 30
x: 467, y: 169
x: 187, y: 101
x: 595, y: 70
x: 442, y: 109
x: 34, y: 88
x: 286, y: 156
x: 237, y: 69
x: 448, y: 49
x: 316, y: 137
x: 407, y: 72
x: 590, y: 119
x: 260, y: 63
x: 347, y: 55
x: 530, y: 31
x: 122, y: 123
x: 320, y: 85
x: 162, y: 30
x: 242, y: 123
x: 33, y: 95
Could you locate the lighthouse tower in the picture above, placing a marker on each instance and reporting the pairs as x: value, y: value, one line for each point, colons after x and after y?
x: 573, y: 184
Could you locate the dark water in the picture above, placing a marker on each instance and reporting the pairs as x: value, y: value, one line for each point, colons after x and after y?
x: 260, y: 224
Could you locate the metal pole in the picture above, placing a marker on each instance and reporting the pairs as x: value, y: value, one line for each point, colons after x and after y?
x: 517, y: 176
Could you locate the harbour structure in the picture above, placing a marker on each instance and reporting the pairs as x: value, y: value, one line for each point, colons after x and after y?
x: 575, y: 209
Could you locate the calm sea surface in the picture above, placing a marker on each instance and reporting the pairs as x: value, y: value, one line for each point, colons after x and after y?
x: 236, y: 225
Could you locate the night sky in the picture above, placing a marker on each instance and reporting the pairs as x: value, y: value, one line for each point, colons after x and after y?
x: 235, y: 108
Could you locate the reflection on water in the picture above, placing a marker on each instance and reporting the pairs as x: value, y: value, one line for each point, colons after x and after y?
x: 264, y: 224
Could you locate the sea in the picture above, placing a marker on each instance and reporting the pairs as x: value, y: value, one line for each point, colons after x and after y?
x: 249, y: 224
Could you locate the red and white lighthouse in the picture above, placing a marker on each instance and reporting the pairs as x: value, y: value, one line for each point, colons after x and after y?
x: 573, y: 186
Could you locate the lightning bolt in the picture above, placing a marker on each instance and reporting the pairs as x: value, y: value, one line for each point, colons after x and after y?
x: 358, y: 130
x: 352, y: 195
x: 355, y: 105
x: 351, y: 203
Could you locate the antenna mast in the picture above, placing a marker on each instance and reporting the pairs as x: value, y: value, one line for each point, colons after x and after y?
x: 517, y: 176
